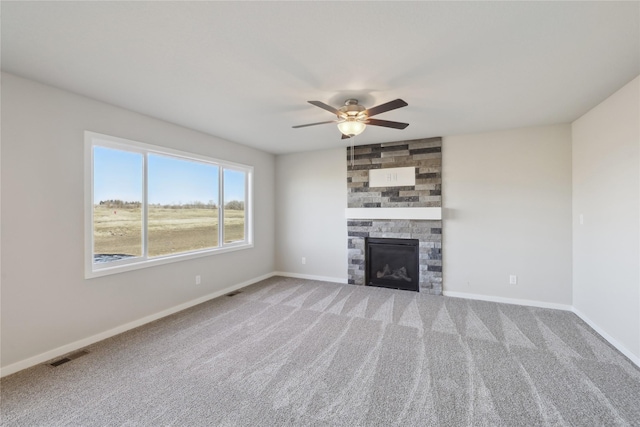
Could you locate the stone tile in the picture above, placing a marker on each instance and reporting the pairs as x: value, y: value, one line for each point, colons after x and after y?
x: 360, y: 178
x: 402, y: 199
x: 389, y: 146
x: 382, y: 224
x: 362, y: 167
x: 403, y: 230
x: 427, y: 156
x: 433, y: 171
x: 427, y: 237
x: 397, y: 235
x: 399, y: 204
x: 424, y: 150
x: 367, y: 194
x: 427, y: 175
x: 363, y: 156
x: 360, y: 149
x: 357, y: 229
x: 404, y: 162
x: 359, y: 223
x: 395, y: 153
x: 366, y: 161
x: 382, y: 160
x: 411, y: 193
x: 430, y: 198
x: 426, y: 142
x: 358, y: 234
x: 425, y: 187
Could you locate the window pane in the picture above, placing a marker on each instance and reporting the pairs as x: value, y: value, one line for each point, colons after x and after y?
x: 117, y: 200
x: 183, y: 205
x: 234, y: 205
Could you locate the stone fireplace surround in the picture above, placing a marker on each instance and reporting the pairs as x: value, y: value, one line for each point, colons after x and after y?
x: 426, y: 156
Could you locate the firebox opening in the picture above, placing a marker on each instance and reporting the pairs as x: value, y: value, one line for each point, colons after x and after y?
x: 392, y: 263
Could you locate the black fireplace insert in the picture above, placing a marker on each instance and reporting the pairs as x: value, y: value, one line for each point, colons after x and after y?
x: 392, y: 263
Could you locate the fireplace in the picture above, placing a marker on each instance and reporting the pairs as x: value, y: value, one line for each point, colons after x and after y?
x: 392, y: 263
x: 395, y: 210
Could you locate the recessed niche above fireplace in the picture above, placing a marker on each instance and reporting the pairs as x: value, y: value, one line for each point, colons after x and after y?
x: 392, y: 177
x: 392, y: 263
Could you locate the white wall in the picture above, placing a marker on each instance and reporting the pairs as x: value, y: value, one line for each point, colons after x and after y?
x: 606, y: 192
x: 46, y: 302
x: 311, y: 198
x: 507, y: 210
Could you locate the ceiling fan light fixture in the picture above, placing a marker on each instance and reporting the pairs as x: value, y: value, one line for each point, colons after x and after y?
x: 351, y: 127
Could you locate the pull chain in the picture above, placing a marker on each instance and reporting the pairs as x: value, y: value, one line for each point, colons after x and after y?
x: 352, y: 143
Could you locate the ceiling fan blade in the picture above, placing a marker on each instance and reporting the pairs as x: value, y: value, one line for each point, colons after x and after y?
x: 382, y: 108
x: 387, y: 123
x: 313, y: 124
x: 326, y: 107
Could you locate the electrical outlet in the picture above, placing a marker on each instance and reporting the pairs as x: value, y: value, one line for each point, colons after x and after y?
x: 198, y: 279
x: 304, y: 260
x: 513, y: 279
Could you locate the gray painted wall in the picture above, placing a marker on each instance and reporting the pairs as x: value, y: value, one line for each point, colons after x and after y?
x: 507, y: 211
x: 606, y: 192
x: 310, y: 221
x: 46, y: 302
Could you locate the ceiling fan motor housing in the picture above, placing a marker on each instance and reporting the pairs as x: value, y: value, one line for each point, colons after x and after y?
x: 352, y: 110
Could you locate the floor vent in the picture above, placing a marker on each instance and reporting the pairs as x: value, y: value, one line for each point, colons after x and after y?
x: 233, y: 293
x: 69, y: 358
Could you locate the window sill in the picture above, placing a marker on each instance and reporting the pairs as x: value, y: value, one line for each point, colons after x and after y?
x: 92, y: 272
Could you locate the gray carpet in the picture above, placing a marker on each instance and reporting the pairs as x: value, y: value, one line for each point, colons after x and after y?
x: 298, y: 352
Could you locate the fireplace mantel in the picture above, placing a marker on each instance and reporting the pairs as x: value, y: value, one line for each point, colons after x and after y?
x: 394, y: 213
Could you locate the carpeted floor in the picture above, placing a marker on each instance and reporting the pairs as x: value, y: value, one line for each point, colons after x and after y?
x: 298, y: 352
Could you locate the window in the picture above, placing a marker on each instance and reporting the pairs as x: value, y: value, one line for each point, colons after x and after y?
x: 234, y: 202
x: 182, y: 205
x: 149, y: 205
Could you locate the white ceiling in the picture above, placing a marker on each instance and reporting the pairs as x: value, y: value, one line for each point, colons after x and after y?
x: 243, y: 71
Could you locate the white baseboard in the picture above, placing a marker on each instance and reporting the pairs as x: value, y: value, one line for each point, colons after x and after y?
x: 311, y: 277
x: 530, y: 303
x: 621, y: 348
x: 76, y: 345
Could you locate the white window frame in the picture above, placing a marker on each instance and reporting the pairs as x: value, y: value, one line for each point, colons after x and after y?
x: 93, y: 139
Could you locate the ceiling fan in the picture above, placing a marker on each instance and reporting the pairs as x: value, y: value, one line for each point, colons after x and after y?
x: 353, y: 117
